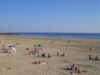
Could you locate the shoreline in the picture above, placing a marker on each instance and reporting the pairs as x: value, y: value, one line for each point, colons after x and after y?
x: 56, y: 35
x: 59, y: 41
x: 51, y: 38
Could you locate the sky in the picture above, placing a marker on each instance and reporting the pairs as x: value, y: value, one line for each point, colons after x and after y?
x: 82, y: 16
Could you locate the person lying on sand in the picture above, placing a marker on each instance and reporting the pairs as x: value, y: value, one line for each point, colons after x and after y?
x: 75, y: 69
x: 39, y: 62
x: 43, y: 55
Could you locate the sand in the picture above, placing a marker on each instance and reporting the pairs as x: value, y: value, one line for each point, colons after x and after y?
x: 76, y: 52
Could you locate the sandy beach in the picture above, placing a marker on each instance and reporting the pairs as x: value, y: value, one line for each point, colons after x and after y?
x: 76, y: 52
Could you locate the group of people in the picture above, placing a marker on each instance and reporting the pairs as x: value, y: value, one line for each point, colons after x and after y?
x: 91, y: 56
x: 58, y: 54
x: 46, y: 55
x: 36, y: 49
x: 7, y: 49
x: 75, y: 69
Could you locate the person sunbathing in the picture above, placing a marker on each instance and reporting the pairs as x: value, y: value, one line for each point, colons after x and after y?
x: 43, y: 55
x: 62, y: 55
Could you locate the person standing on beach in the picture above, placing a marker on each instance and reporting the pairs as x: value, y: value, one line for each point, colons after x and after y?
x: 90, y: 49
x: 0, y: 41
x: 35, y: 48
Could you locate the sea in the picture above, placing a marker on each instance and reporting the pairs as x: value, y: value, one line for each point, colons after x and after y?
x: 61, y: 35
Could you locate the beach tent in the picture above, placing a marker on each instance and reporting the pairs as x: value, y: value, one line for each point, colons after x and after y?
x: 12, y: 48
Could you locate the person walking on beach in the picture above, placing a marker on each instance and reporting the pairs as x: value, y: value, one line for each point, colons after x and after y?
x: 49, y: 56
x: 90, y: 49
x: 57, y: 53
x: 35, y: 48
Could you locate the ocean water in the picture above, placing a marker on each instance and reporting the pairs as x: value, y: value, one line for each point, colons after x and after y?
x: 61, y: 35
